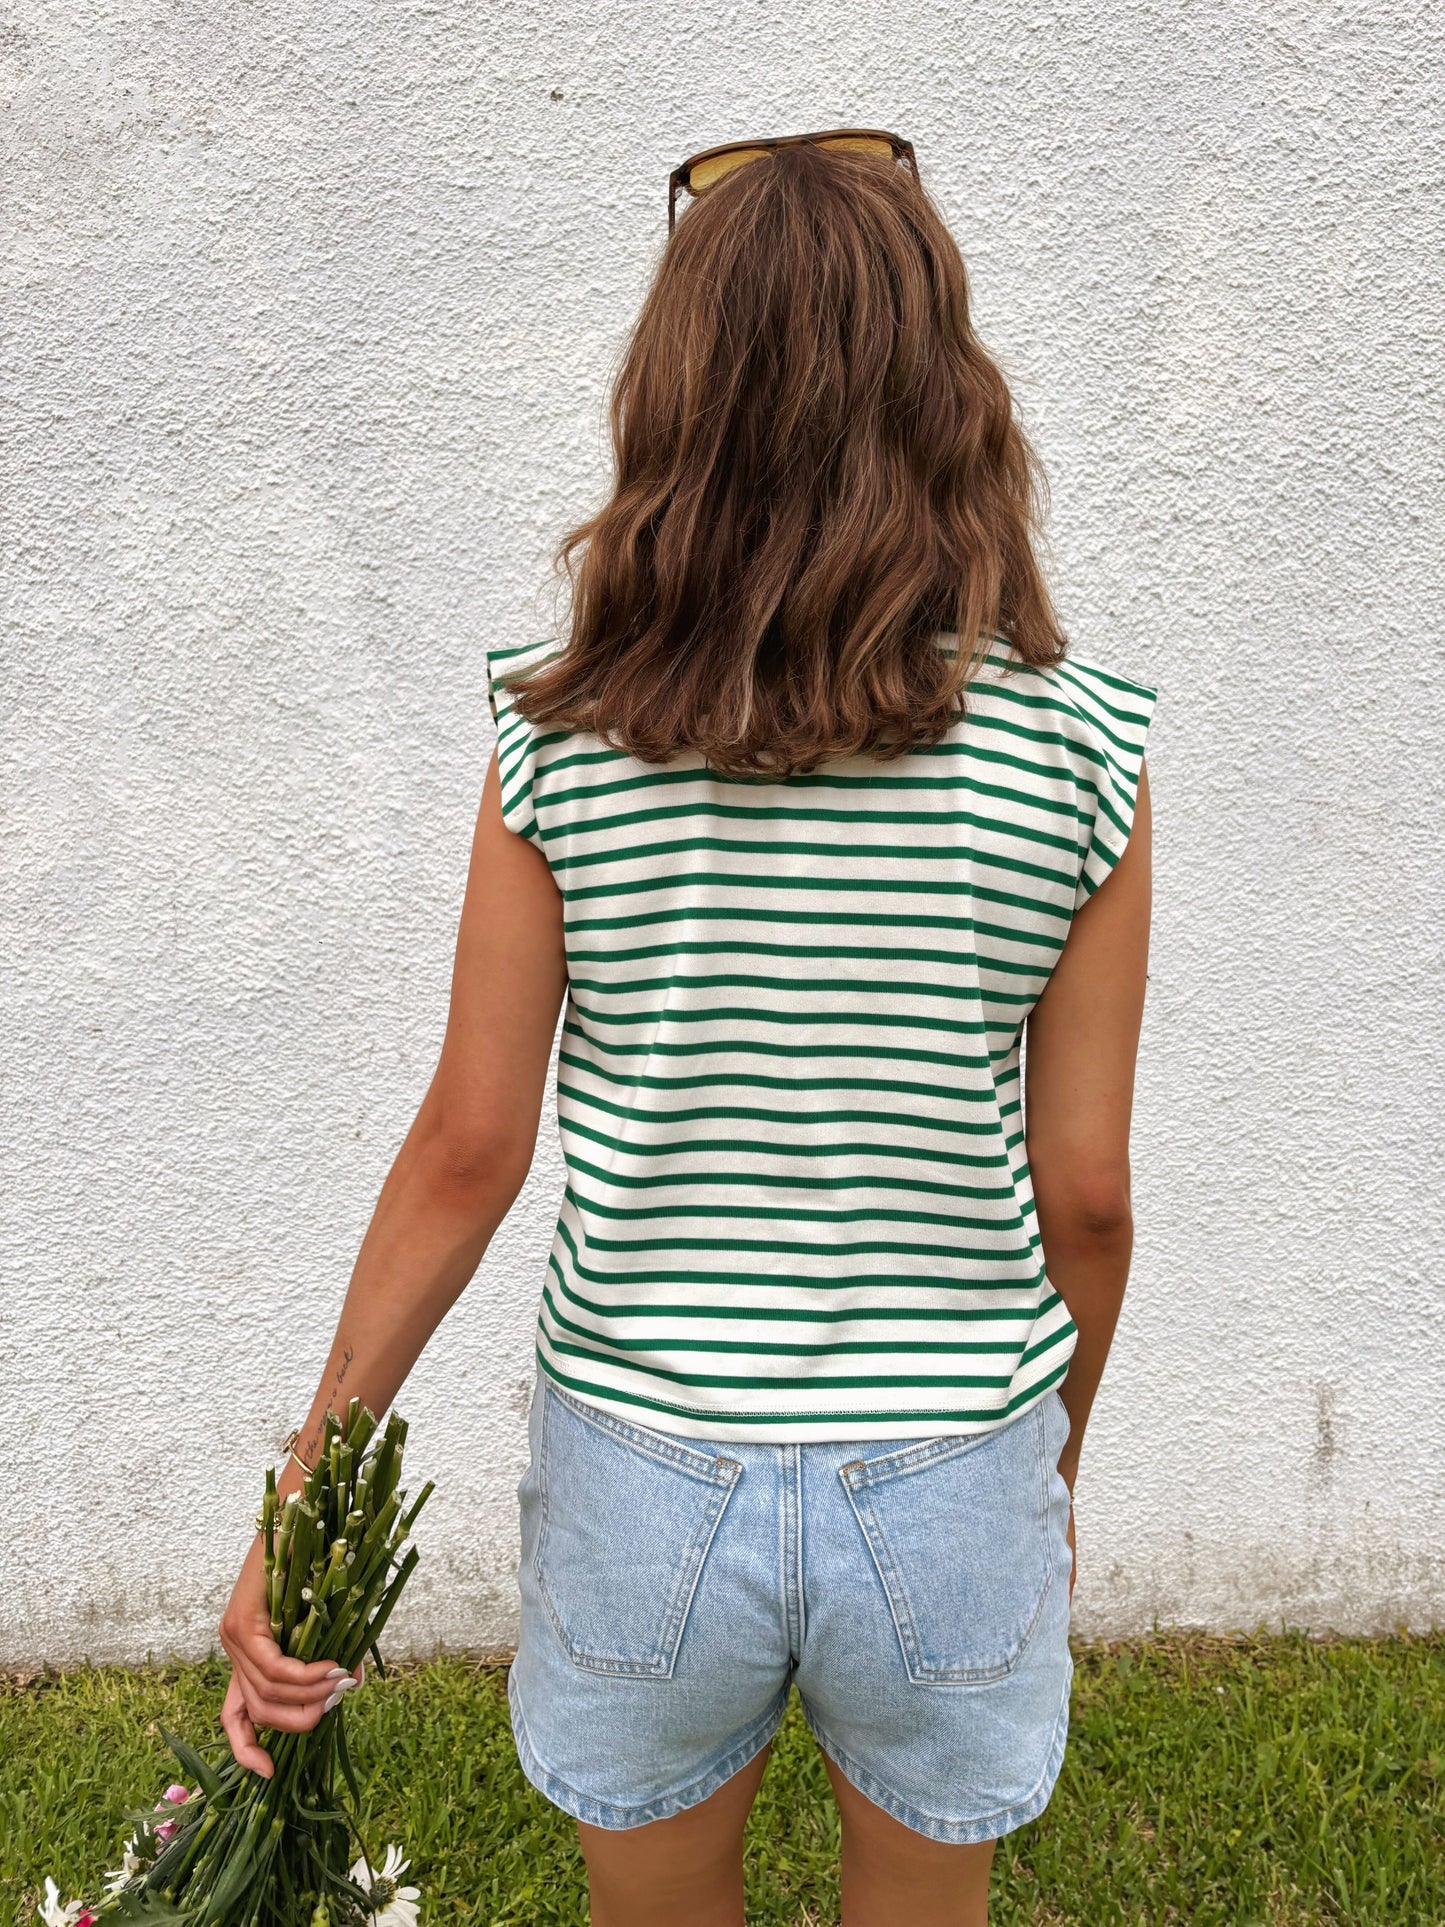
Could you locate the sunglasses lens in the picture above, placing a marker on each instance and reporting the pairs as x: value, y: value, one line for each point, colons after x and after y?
x: 711, y: 168
x: 862, y: 144
x: 714, y: 166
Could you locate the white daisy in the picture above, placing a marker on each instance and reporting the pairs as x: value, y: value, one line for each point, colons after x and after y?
x: 130, y: 1865
x: 53, y: 1913
x: 392, y: 1904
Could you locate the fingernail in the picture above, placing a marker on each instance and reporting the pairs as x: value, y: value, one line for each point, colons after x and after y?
x: 338, y: 1672
x: 336, y: 1698
x: 347, y: 1685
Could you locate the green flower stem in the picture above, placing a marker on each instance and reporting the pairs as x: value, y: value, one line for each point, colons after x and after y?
x: 302, y: 1539
x: 283, y: 1557
x: 334, y: 1460
x: 268, y: 1526
x: 303, y: 1637
x: 241, y: 1863
x: 387, y: 1465
x: 371, y: 1633
x: 357, y: 1613
x: 362, y: 1427
x: 334, y: 1577
x: 213, y: 1857
x: 379, y: 1528
x: 410, y: 1518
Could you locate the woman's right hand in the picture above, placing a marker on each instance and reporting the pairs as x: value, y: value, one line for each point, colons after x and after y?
x: 267, y: 1688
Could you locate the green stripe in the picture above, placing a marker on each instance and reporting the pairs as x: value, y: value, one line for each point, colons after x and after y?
x: 754, y: 1080
x: 756, y: 1114
x: 1066, y: 706
x: 814, y: 1382
x: 754, y: 1347
x: 761, y: 1147
x: 500, y: 654
x: 710, y: 808
x: 1125, y: 685
x: 750, y: 980
x: 1129, y: 720
x: 803, y: 1214
x: 762, y: 881
x: 800, y: 1247
x: 892, y: 1181
x: 869, y: 1019
x: 752, y: 1381
x: 836, y: 952
x: 706, y: 808
x: 813, y: 1314
x: 783, y: 914
x: 753, y: 1281
x: 771, y: 1047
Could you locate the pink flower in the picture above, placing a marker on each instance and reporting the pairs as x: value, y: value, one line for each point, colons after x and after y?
x: 177, y: 1796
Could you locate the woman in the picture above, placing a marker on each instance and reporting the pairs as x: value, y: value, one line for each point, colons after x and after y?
x: 812, y: 814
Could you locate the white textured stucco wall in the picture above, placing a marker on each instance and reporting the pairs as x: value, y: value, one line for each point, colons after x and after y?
x: 309, y: 316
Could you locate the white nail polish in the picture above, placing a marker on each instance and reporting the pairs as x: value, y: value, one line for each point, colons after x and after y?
x: 336, y: 1698
x: 338, y: 1672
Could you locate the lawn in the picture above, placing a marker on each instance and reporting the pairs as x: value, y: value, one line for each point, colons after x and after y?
x: 1273, y: 1781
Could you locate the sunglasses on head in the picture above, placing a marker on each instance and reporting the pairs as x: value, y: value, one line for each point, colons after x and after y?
x: 704, y: 170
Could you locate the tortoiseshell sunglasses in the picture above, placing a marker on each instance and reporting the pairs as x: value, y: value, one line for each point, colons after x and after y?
x: 695, y: 176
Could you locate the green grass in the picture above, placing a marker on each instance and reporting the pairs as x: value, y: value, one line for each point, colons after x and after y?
x: 1276, y: 1781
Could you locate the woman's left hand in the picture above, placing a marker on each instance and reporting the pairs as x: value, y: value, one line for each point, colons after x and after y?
x: 267, y: 1688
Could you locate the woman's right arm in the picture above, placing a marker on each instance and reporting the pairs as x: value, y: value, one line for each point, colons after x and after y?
x: 1080, y: 1054
x: 455, y: 1177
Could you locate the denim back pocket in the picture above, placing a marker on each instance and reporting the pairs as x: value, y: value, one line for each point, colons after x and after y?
x: 961, y: 1534
x: 627, y: 1517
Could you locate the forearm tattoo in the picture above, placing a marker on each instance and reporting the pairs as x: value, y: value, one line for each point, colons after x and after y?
x: 312, y: 1443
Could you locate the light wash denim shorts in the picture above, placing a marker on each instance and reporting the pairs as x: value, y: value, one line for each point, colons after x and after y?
x: 916, y: 1592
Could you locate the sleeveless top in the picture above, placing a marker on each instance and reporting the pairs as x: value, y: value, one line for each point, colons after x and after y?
x: 789, y: 1089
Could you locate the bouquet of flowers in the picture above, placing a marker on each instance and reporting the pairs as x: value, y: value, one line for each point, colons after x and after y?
x: 236, y: 1850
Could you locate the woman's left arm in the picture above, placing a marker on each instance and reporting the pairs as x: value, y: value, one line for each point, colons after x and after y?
x: 454, y: 1180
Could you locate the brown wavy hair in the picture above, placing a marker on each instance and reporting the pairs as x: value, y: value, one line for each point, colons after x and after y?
x: 818, y: 474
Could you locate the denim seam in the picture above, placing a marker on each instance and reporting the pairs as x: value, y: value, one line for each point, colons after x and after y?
x: 711, y: 1467
x: 1042, y: 1430
x: 604, y: 1813
x: 962, y: 1833
x: 913, y: 1458
x: 799, y: 1564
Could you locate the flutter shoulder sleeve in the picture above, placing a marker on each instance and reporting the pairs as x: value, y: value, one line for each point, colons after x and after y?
x: 1117, y: 712
x: 516, y: 738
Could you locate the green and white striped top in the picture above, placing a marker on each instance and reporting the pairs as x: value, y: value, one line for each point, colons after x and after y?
x: 789, y: 1086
